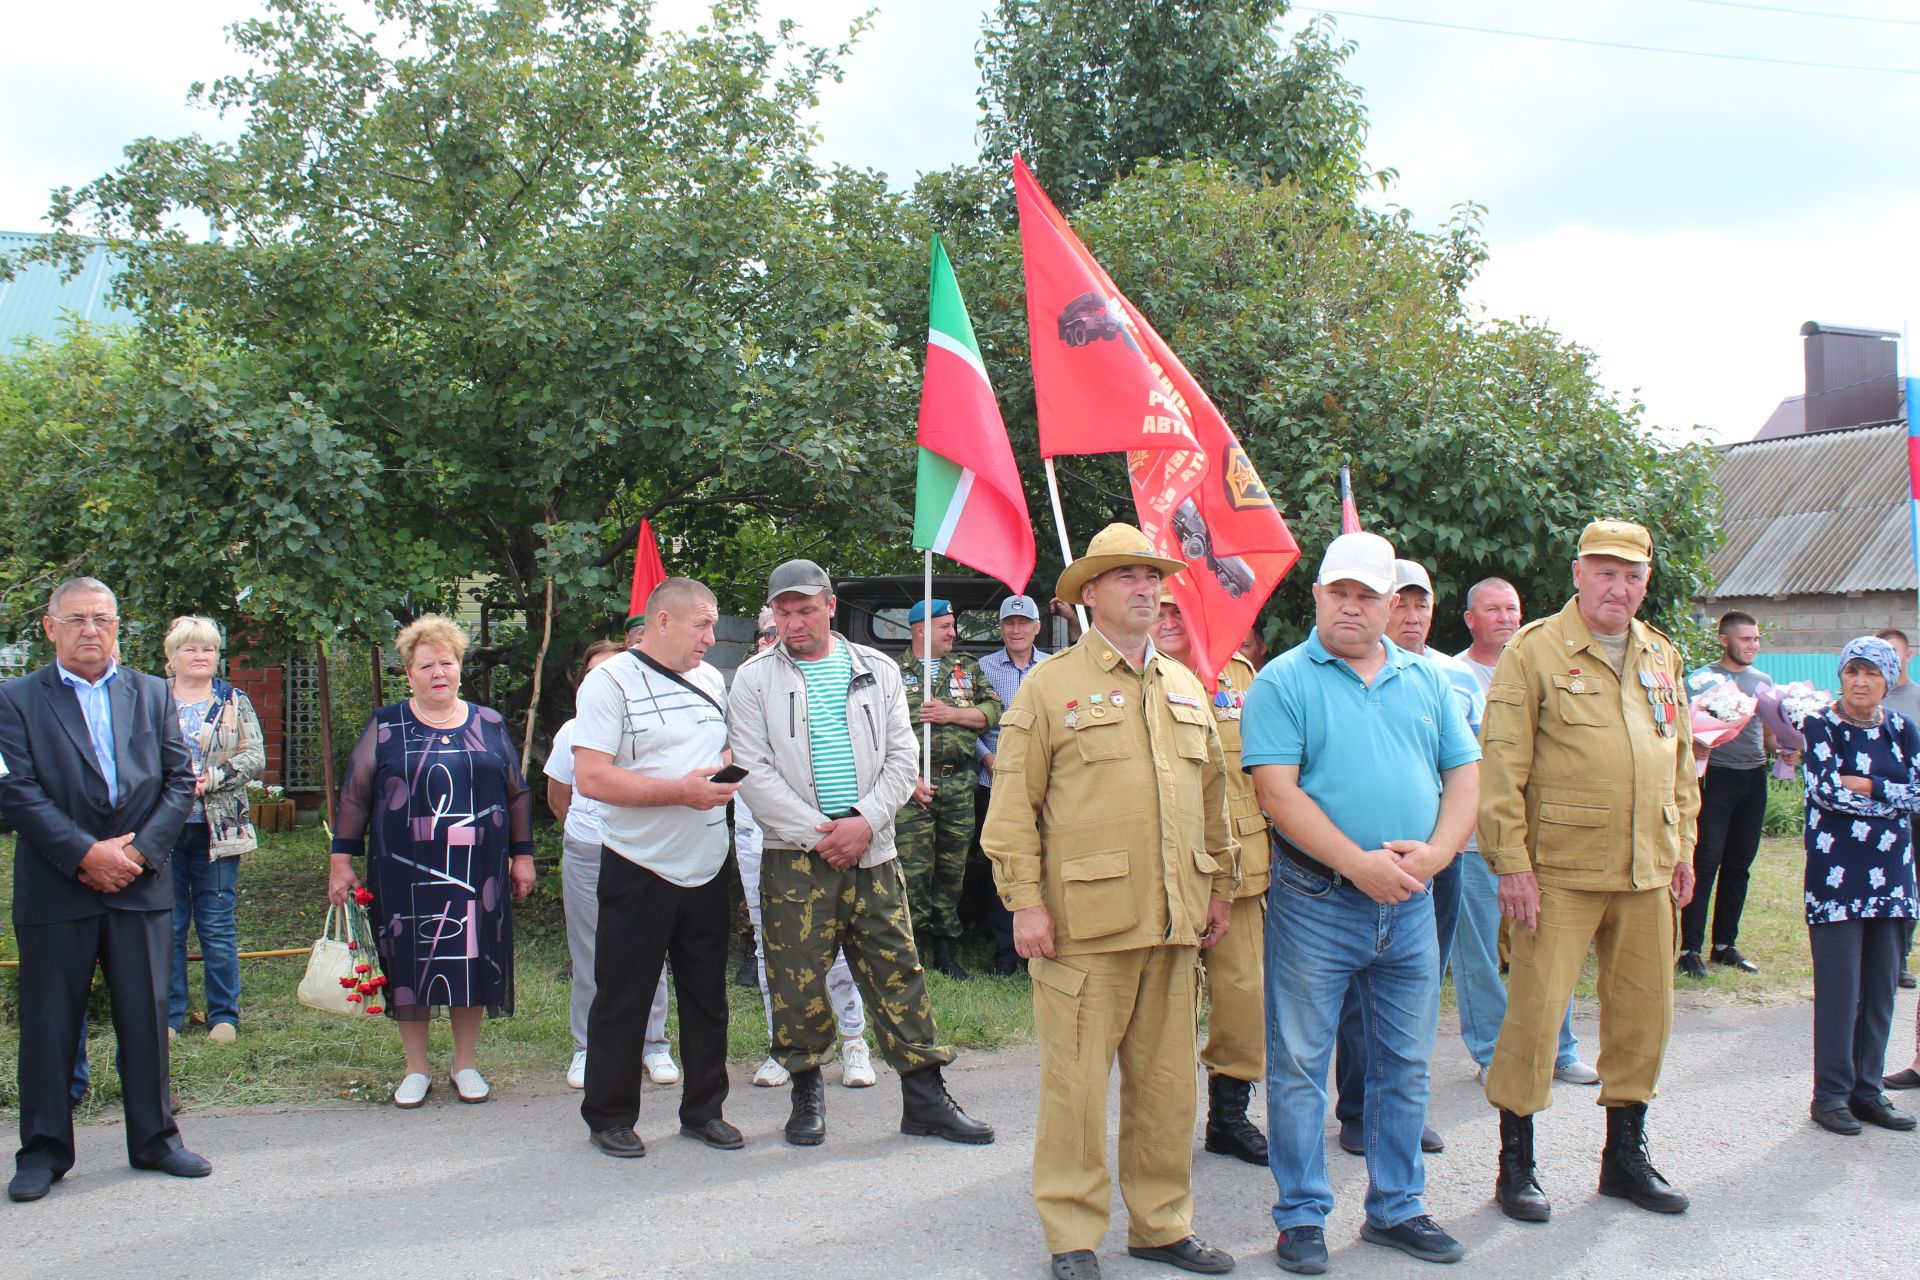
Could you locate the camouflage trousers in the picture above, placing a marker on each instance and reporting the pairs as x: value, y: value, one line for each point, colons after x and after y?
x: 933, y: 844
x: 808, y: 912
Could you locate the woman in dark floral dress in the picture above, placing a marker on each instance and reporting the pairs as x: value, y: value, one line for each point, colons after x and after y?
x: 434, y: 783
x: 1862, y: 788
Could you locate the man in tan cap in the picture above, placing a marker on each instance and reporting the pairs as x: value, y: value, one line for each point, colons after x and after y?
x: 1587, y: 807
x: 1109, y: 841
x: 1235, y: 1054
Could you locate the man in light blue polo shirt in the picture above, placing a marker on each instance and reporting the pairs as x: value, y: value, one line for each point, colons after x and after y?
x: 1362, y: 759
x: 1409, y: 620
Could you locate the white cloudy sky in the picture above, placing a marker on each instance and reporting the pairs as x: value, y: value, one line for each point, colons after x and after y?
x: 1680, y: 215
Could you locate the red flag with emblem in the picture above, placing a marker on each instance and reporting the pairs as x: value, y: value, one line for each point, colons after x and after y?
x: 1105, y: 382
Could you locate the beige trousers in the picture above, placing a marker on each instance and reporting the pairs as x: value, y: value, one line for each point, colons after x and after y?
x: 1236, y: 978
x: 1088, y: 1010
x: 1634, y: 934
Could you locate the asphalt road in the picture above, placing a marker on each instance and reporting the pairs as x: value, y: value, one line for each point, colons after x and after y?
x: 511, y: 1189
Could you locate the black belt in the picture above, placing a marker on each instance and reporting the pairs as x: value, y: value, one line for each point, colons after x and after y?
x: 1301, y: 858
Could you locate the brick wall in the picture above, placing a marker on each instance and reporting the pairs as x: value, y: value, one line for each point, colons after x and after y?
x: 266, y: 686
x: 1821, y: 623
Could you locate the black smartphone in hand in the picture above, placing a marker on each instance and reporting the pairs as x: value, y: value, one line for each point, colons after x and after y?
x: 732, y: 773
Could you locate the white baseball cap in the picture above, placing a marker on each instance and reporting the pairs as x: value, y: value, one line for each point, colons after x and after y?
x: 1411, y: 573
x: 1365, y: 558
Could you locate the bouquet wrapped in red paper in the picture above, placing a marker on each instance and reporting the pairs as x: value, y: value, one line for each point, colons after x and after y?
x: 1719, y: 714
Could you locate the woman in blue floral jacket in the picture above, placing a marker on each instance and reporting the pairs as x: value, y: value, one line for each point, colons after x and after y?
x: 1862, y: 766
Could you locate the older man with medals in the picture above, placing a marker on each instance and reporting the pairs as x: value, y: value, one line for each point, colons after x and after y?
x: 1587, y: 807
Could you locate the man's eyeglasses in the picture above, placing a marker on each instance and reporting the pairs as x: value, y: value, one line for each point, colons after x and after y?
x: 100, y: 621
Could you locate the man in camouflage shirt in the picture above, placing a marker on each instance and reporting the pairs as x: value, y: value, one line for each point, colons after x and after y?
x: 935, y: 828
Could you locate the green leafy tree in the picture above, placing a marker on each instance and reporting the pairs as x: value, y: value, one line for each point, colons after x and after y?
x: 540, y: 272
x: 1330, y: 337
x: 1089, y: 89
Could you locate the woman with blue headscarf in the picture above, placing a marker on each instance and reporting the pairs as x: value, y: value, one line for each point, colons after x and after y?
x: 1862, y: 766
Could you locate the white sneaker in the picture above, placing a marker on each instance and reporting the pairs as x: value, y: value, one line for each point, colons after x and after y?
x: 856, y: 1066
x: 412, y: 1091
x: 771, y: 1075
x: 660, y: 1068
x: 471, y: 1085
x: 1576, y: 1072
x: 577, y: 1070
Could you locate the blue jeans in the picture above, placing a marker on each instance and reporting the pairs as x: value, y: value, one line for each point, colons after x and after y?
x: 203, y: 895
x: 1324, y: 937
x: 1350, y: 1056
x: 1477, y: 988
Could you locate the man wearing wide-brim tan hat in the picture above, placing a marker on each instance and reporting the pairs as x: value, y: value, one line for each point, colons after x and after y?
x: 1587, y: 808
x: 1110, y: 845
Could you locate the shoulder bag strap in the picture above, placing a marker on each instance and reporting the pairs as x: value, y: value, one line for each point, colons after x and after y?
x: 680, y: 680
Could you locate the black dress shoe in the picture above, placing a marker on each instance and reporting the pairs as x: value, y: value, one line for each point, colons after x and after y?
x: 1353, y: 1139
x: 1076, y: 1264
x: 716, y: 1133
x: 1907, y: 981
x: 1189, y: 1255
x: 1430, y: 1142
x: 1006, y: 966
x: 32, y: 1182
x: 1835, y: 1120
x: 1691, y: 967
x: 1731, y: 957
x: 619, y: 1141
x: 1881, y: 1111
x: 178, y: 1163
x: 1907, y: 1079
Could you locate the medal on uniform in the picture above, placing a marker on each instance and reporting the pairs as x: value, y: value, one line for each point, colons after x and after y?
x: 1117, y: 699
x: 1073, y: 719
x: 1095, y: 699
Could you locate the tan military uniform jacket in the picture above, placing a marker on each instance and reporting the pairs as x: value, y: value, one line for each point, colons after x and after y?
x: 1111, y: 810
x: 1243, y: 808
x: 1578, y: 783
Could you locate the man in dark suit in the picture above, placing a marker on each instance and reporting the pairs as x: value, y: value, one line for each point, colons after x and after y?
x: 96, y: 781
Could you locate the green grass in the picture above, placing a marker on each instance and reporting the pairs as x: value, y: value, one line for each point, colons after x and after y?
x: 290, y: 1054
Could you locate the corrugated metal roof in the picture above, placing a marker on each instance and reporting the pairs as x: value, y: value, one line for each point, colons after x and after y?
x: 1814, y: 515
x: 40, y: 299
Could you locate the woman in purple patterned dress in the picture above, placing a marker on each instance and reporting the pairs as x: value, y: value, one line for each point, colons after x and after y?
x: 434, y: 800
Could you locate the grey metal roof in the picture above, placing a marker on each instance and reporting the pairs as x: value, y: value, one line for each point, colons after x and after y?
x: 39, y: 301
x: 1814, y: 515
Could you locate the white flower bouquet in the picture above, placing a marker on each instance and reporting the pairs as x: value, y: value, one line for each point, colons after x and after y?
x: 1718, y: 714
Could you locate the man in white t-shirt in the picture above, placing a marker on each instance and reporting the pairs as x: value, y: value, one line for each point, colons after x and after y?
x: 649, y: 734
x: 580, y: 884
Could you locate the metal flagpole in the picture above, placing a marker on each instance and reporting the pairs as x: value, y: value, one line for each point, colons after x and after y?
x: 926, y: 674
x: 1066, y: 548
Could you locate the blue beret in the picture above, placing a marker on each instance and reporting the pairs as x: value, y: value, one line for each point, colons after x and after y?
x: 941, y: 608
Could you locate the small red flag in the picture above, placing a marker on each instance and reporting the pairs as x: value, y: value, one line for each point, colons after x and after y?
x: 1105, y: 382
x: 648, y: 572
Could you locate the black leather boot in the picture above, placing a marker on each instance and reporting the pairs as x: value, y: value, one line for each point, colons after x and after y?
x: 946, y: 958
x: 1229, y: 1132
x: 807, y: 1125
x: 927, y: 1110
x: 1518, y: 1190
x: 1626, y: 1168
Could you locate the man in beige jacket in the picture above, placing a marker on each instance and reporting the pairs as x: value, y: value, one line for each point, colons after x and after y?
x: 1109, y: 841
